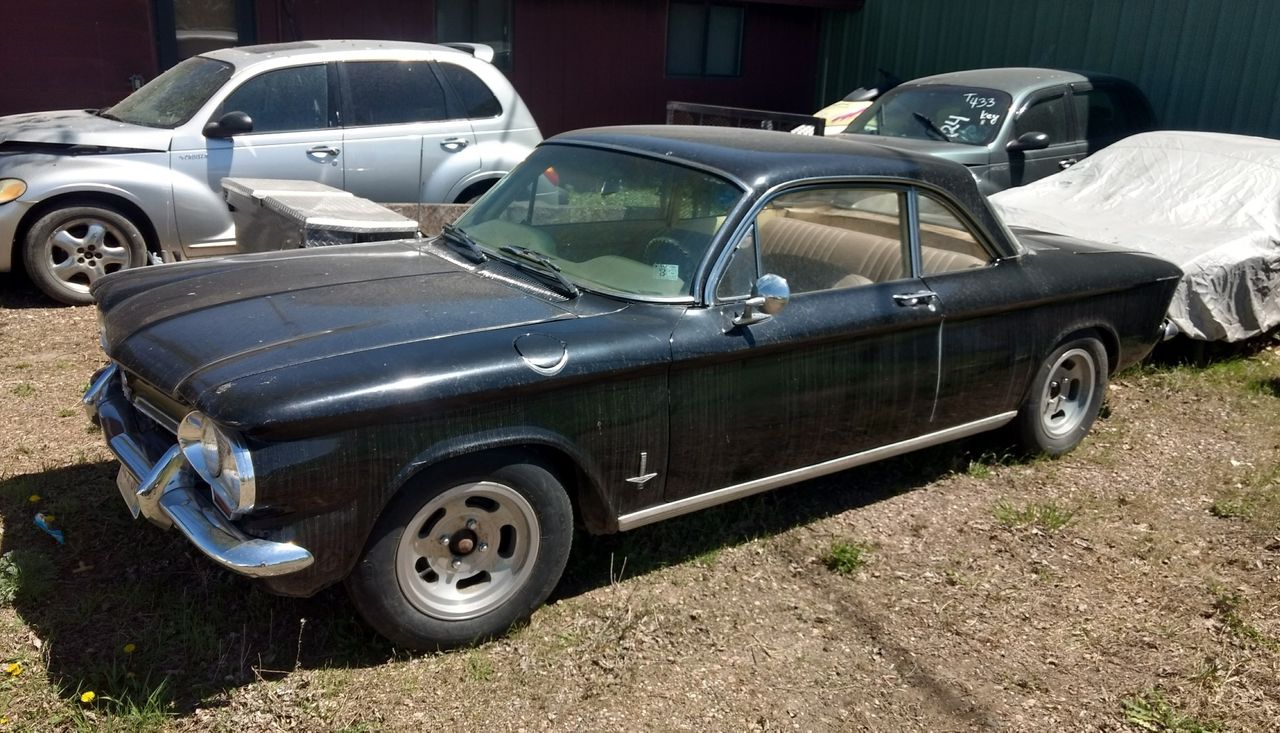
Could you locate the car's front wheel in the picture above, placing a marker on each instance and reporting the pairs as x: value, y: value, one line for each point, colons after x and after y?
x: 69, y: 248
x: 1064, y: 398
x: 464, y: 553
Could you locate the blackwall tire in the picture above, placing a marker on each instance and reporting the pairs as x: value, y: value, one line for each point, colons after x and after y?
x: 70, y: 248
x: 1065, y: 397
x: 464, y: 553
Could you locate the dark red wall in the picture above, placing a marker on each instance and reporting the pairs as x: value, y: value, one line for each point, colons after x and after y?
x: 63, y: 54
x: 579, y: 63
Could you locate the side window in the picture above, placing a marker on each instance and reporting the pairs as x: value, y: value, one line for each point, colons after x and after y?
x: 1106, y: 115
x: 1048, y: 116
x: 946, y: 243
x: 741, y: 272
x: 476, y: 98
x: 284, y: 99
x: 826, y: 239
x: 393, y: 92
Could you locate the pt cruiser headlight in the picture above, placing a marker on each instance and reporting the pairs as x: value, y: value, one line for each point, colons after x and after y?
x: 11, y: 188
x: 220, y: 458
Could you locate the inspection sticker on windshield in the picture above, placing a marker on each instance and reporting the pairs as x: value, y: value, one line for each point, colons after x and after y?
x: 666, y: 272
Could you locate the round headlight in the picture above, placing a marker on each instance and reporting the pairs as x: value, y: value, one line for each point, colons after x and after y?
x: 219, y: 458
x: 11, y: 188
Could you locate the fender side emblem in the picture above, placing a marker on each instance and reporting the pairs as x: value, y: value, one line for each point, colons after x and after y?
x: 643, y: 478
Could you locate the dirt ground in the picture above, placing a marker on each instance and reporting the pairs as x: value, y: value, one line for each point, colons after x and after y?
x: 1131, y: 585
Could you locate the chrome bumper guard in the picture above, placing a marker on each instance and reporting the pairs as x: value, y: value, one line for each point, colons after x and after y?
x: 169, y: 493
x: 1169, y: 330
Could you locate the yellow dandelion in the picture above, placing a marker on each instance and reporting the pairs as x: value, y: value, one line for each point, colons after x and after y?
x: 14, y: 669
x: 130, y: 648
x: 87, y: 697
x: 34, y: 498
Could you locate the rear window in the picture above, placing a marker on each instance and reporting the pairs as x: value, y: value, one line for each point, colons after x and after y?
x: 476, y: 98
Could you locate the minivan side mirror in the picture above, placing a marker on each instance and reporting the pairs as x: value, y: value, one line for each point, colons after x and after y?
x: 1028, y: 141
x: 231, y: 123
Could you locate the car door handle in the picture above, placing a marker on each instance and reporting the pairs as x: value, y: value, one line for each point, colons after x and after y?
x: 454, y: 144
x: 917, y: 299
x: 1067, y: 163
x: 323, y: 151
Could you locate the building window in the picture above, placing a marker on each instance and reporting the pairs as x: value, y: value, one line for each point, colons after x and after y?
x: 704, y: 39
x: 477, y: 21
x: 186, y: 28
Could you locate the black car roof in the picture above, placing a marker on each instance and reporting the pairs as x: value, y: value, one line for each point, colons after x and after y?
x: 762, y: 159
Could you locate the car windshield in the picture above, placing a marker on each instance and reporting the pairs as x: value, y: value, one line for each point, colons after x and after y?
x: 603, y: 220
x: 943, y: 112
x: 173, y: 97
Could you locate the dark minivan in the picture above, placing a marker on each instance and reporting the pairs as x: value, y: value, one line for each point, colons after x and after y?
x: 1009, y: 126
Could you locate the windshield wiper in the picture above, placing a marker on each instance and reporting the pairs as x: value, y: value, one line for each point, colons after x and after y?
x: 931, y: 127
x: 466, y: 243
x: 104, y: 114
x: 552, y: 268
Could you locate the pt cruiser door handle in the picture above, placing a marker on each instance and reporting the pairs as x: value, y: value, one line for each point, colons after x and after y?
x: 323, y: 151
x: 1066, y: 163
x: 917, y: 299
x: 454, y: 144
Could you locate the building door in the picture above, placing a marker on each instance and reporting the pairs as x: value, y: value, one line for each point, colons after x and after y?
x: 185, y: 28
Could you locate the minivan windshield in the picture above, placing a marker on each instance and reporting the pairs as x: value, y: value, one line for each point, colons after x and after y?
x: 943, y: 112
x: 173, y: 97
x: 604, y: 220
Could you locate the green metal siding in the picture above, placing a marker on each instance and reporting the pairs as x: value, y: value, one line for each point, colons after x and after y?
x: 1205, y: 64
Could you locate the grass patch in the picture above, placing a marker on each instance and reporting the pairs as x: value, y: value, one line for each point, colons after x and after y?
x: 24, y: 389
x: 479, y: 667
x: 1047, y: 517
x: 1151, y: 710
x: 1227, y: 609
x: 1230, y: 509
x: 68, y: 412
x: 24, y: 576
x: 846, y: 558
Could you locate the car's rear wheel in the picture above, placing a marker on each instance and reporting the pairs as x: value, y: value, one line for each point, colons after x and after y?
x: 70, y: 248
x: 1064, y: 398
x: 464, y: 553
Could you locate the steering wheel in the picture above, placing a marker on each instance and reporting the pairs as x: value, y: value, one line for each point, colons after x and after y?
x: 657, y: 249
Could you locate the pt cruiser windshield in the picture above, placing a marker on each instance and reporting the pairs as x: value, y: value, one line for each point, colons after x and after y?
x: 603, y: 220
x: 173, y: 97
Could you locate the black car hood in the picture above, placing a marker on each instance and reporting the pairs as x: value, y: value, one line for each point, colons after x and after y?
x: 194, y: 327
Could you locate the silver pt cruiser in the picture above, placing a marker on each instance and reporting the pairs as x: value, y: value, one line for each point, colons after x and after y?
x: 88, y: 192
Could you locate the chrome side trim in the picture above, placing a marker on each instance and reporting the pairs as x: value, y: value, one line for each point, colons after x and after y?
x: 729, y: 493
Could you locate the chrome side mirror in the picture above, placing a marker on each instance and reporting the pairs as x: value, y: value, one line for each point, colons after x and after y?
x: 769, y: 296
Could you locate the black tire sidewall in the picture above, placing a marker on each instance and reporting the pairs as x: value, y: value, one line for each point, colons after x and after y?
x: 375, y: 590
x: 35, y: 260
x: 1030, y: 427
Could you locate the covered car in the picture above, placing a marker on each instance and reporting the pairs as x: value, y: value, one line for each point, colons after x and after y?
x: 1208, y: 202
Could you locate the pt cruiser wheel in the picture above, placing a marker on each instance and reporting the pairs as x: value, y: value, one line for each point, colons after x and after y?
x: 464, y: 553
x: 1064, y: 398
x: 68, y: 249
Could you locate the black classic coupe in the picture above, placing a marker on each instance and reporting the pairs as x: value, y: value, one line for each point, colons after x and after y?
x: 636, y: 323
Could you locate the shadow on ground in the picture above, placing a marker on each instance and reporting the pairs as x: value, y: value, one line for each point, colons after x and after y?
x: 135, y: 613
x: 17, y: 291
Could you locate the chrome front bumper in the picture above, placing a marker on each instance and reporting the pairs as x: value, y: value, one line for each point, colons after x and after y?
x: 170, y: 494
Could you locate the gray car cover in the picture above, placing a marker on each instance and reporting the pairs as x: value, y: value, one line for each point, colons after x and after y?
x: 1208, y: 202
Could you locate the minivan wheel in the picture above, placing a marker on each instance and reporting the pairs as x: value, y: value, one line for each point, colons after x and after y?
x: 68, y: 249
